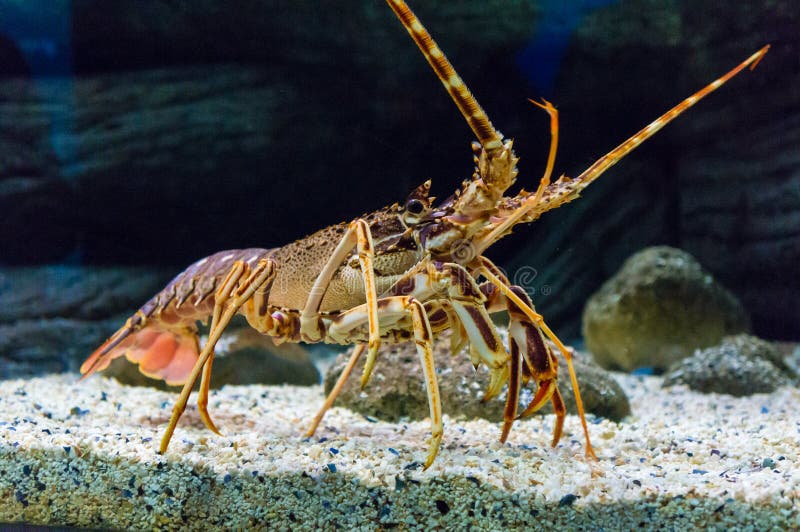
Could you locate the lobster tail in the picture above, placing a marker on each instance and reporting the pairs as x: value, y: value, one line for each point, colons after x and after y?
x: 162, y: 336
x: 110, y: 349
x: 161, y: 353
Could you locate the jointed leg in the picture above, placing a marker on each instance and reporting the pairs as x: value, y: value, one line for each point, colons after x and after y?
x: 468, y: 303
x: 337, y: 388
x: 529, y: 355
x: 395, y: 307
x: 221, y: 297
x: 487, y: 271
x: 465, y: 305
x: 424, y: 340
x: 262, y: 275
x: 539, y: 364
x: 514, y: 384
x: 358, y: 235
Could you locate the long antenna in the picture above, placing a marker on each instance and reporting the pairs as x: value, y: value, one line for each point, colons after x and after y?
x: 473, y: 113
x: 526, y: 207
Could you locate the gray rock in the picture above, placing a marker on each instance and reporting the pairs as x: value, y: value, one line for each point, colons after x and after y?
x: 75, y: 292
x: 397, y: 389
x: 38, y: 205
x: 753, y: 347
x: 35, y: 347
x: 659, y: 308
x: 52, y: 317
x: 739, y: 366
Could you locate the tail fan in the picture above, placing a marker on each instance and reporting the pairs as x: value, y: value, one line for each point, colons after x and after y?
x: 161, y: 353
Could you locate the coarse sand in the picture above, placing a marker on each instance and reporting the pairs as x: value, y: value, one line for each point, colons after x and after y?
x: 84, y: 454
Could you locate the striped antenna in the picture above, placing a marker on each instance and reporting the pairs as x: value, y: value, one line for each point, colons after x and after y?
x: 526, y: 207
x: 474, y: 114
x: 610, y: 159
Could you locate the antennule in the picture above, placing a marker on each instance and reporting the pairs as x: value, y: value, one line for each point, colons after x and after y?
x: 474, y: 114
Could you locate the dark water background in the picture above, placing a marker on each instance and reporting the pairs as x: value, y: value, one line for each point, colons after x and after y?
x: 154, y: 133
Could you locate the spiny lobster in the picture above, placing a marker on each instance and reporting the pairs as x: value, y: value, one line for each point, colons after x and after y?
x: 405, y: 272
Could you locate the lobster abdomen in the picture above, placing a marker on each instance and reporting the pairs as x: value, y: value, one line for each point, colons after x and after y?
x: 161, y: 337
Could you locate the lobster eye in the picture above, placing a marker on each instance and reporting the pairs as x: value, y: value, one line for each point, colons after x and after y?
x: 414, y: 206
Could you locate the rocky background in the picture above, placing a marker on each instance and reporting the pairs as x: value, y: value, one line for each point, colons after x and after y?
x: 146, y: 135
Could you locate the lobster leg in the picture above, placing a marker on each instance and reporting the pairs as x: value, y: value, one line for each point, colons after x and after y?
x: 466, y: 309
x: 396, y: 307
x: 468, y: 303
x: 496, y: 302
x: 457, y: 340
x: 487, y: 269
x: 225, y: 307
x: 358, y: 235
x: 337, y: 388
x: 539, y: 364
x: 442, y: 316
x: 223, y: 295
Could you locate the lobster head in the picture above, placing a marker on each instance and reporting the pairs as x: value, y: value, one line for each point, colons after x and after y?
x: 450, y: 230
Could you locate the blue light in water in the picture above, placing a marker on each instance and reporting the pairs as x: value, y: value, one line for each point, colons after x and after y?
x: 540, y: 60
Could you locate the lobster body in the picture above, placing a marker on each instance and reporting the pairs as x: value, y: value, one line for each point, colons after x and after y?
x: 404, y: 272
x: 162, y: 336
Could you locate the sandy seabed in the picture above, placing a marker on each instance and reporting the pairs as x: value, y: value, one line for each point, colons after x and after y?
x: 84, y: 454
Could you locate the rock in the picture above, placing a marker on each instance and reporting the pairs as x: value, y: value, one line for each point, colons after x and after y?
x: 31, y: 348
x: 75, y: 292
x: 397, y: 390
x: 30, y: 180
x: 660, y: 307
x: 741, y: 365
x: 243, y: 357
x: 791, y: 355
x: 53, y: 317
x: 27, y: 236
x: 754, y: 347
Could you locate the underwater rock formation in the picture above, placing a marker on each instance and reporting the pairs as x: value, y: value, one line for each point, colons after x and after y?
x: 397, y: 388
x: 741, y: 365
x: 660, y: 307
x: 54, y: 345
x: 52, y: 317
